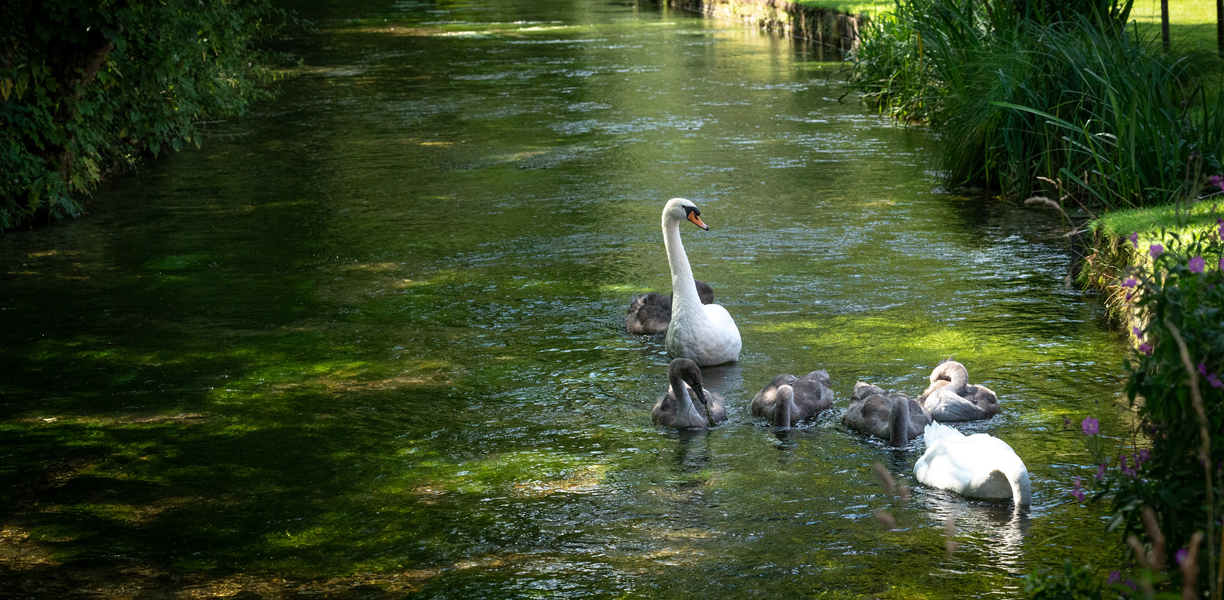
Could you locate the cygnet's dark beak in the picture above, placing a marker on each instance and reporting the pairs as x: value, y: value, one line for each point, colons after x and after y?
x: 697, y: 389
x: 696, y: 220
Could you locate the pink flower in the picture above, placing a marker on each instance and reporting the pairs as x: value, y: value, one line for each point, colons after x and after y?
x: 1130, y: 283
x: 1196, y: 264
x: 1134, y: 238
x: 1091, y: 426
x: 1214, y: 380
x: 1156, y: 250
x: 1146, y: 349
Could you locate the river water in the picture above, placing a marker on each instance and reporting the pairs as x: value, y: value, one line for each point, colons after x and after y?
x: 369, y: 340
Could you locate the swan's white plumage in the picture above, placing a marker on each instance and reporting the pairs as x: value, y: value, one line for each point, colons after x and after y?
x: 975, y: 466
x: 704, y: 333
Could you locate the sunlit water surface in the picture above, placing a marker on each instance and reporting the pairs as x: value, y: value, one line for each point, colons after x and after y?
x: 370, y: 337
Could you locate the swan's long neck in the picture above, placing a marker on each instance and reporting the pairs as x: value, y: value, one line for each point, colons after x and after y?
x: 686, y: 412
x: 898, y: 422
x: 957, y: 376
x: 686, y: 300
x: 1019, y: 479
x: 785, y: 409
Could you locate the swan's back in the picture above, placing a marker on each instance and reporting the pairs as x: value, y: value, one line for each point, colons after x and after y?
x: 976, y: 466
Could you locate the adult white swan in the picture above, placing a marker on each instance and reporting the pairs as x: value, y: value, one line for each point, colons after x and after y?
x: 703, y: 333
x: 951, y: 398
x: 975, y: 466
x: 678, y: 408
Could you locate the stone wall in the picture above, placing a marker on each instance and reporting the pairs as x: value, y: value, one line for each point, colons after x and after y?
x: 823, y: 25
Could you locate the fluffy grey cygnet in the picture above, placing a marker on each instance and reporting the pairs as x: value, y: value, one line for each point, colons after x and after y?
x: 787, y: 399
x: 951, y: 398
x: 686, y: 403
x: 889, y: 415
x: 651, y: 313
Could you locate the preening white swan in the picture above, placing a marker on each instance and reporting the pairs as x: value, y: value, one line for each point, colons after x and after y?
x: 788, y: 399
x: 686, y: 403
x: 651, y: 313
x: 976, y: 466
x: 951, y: 398
x: 704, y: 333
x: 892, y: 416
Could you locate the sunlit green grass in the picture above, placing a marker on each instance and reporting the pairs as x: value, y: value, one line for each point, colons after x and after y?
x: 1192, y: 23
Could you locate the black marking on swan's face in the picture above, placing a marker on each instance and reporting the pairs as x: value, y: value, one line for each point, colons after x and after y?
x: 694, y: 216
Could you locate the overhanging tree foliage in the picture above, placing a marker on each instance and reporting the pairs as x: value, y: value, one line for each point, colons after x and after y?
x: 88, y: 86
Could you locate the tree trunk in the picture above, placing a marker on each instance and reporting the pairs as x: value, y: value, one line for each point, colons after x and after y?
x: 1164, y: 23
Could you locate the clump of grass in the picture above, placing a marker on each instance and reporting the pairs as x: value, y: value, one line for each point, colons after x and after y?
x: 1030, y: 99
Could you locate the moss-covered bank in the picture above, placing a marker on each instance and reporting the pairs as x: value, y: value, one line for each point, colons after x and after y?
x: 1111, y: 249
x: 824, y: 25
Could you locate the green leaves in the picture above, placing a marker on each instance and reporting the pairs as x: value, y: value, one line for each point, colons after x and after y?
x: 90, y: 86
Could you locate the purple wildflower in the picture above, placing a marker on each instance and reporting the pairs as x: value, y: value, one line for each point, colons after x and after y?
x: 1220, y: 222
x: 1122, y: 462
x: 1144, y: 456
x: 1066, y: 422
x: 1214, y: 380
x: 1202, y: 369
x: 1138, y: 332
x: 1181, y: 555
x: 1130, y: 283
x: 1114, y: 577
x: 1134, y: 238
x: 1091, y: 426
x: 1128, y: 294
x: 1101, y: 471
x: 1078, y: 484
x: 1196, y: 264
x: 1156, y: 250
x: 1146, y: 349
x: 1217, y: 180
x: 1077, y: 494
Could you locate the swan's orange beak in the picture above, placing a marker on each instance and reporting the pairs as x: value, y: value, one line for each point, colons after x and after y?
x: 692, y: 216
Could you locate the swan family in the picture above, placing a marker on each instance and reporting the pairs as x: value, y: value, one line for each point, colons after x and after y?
x: 700, y: 333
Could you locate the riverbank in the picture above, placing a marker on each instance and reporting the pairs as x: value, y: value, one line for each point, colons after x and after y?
x: 1120, y: 240
x: 828, y: 26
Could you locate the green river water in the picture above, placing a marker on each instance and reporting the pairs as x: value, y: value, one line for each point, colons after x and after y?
x: 368, y: 342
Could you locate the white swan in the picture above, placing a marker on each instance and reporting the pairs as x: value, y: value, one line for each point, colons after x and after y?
x: 975, y: 466
x: 892, y: 416
x: 651, y: 313
x: 951, y: 398
x: 677, y: 409
x: 788, y: 399
x: 704, y: 333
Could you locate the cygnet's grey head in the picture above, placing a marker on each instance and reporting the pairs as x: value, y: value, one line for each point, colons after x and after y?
x: 687, y: 371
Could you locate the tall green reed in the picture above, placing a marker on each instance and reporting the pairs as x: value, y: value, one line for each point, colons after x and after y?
x: 1020, y: 92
